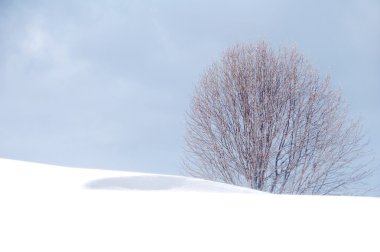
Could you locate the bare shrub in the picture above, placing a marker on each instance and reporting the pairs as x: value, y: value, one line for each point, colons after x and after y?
x: 268, y: 121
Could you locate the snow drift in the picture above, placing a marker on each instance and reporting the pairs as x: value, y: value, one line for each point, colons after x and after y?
x: 51, y: 208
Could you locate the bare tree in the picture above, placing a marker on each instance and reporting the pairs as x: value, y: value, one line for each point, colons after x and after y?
x: 268, y: 121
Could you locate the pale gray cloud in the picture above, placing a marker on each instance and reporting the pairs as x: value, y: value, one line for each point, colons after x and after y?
x: 106, y: 84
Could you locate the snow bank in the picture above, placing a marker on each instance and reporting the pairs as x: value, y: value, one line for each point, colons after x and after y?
x: 51, y: 208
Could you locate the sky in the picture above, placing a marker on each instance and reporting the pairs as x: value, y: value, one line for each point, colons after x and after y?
x: 106, y: 84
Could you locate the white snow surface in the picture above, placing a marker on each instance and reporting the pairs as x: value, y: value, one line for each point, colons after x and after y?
x: 52, y: 208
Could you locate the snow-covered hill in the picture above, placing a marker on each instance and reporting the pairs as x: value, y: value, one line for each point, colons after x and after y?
x: 51, y: 208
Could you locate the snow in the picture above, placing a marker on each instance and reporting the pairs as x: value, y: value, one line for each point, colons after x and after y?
x: 52, y: 208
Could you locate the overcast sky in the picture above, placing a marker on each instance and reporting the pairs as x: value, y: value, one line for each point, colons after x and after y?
x: 106, y: 84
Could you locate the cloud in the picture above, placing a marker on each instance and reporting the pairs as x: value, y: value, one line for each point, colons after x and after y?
x: 106, y: 84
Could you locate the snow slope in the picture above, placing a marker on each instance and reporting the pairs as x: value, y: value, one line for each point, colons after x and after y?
x: 51, y: 208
